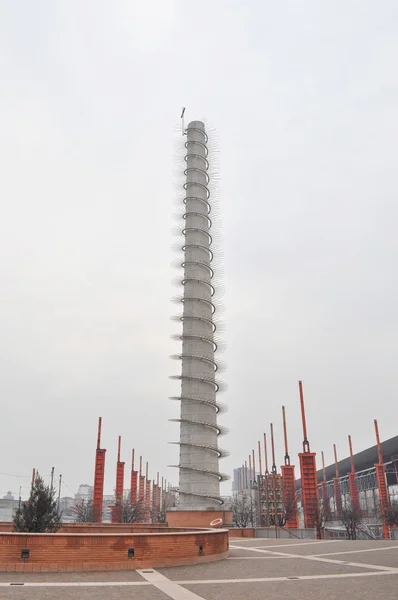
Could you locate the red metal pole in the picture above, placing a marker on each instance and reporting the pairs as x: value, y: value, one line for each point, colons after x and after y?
x: 325, y: 496
x: 266, y: 454
x: 336, y: 485
x: 354, y: 495
x: 273, y: 449
x: 306, y: 444
x: 254, y: 466
x: 336, y: 462
x: 351, y: 455
x: 287, y: 457
x: 260, y: 466
x: 379, y: 452
x: 99, y: 433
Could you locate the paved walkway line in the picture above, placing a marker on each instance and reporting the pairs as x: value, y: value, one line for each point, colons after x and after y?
x: 257, y: 558
x: 168, y: 587
x: 315, y: 542
x: 319, y: 559
x: 23, y: 584
x: 290, y: 579
x: 357, y: 551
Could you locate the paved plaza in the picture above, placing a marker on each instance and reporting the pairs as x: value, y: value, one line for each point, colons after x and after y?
x: 255, y: 569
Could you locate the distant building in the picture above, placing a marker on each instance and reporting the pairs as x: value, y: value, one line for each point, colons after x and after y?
x: 235, y: 480
x: 108, y: 501
x: 85, y: 492
x: 8, y: 496
x: 8, y: 505
x: 66, y: 505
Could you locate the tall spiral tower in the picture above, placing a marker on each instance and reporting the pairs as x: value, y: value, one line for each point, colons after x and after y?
x: 199, y: 475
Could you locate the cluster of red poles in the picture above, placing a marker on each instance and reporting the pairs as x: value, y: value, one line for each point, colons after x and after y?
x: 144, y: 492
x: 309, y: 482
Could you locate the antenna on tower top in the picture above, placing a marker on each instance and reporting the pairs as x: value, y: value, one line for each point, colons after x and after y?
x: 182, y: 121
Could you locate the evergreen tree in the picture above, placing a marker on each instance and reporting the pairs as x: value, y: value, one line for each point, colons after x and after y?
x: 39, y: 514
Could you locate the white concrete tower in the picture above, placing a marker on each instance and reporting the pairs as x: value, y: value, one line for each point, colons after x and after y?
x: 199, y: 481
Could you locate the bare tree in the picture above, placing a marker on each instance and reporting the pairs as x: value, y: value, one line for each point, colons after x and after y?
x: 84, y: 512
x: 159, y: 513
x: 322, y: 516
x: 242, y: 510
x: 351, y: 517
x: 132, y: 513
x: 289, y: 510
x: 391, y: 513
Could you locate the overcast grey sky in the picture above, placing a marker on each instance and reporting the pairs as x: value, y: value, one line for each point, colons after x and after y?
x: 304, y: 97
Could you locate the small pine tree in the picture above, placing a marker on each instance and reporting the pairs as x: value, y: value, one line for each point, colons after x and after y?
x: 39, y: 514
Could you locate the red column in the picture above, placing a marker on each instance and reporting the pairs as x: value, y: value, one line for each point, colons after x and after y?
x: 155, y: 502
x: 336, y: 487
x: 289, y: 496
x: 382, y: 485
x: 141, y: 489
x: 289, y: 483
x: 99, y: 473
x: 117, y: 509
x: 147, y: 496
x: 309, y: 482
x: 148, y: 501
x: 133, y: 483
x: 354, y: 494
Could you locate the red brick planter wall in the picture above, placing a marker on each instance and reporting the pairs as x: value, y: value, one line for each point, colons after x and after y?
x: 247, y: 532
x: 108, y: 552
x: 7, y: 526
x: 197, y: 518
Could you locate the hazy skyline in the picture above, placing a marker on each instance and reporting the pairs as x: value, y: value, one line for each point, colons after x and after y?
x: 303, y: 97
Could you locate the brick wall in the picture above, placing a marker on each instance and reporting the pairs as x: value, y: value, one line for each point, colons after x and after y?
x: 108, y: 552
x: 112, y: 528
x: 247, y: 532
x: 197, y: 518
x: 6, y: 526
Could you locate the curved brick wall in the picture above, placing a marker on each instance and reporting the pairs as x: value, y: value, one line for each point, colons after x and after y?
x: 8, y: 526
x: 109, y: 551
